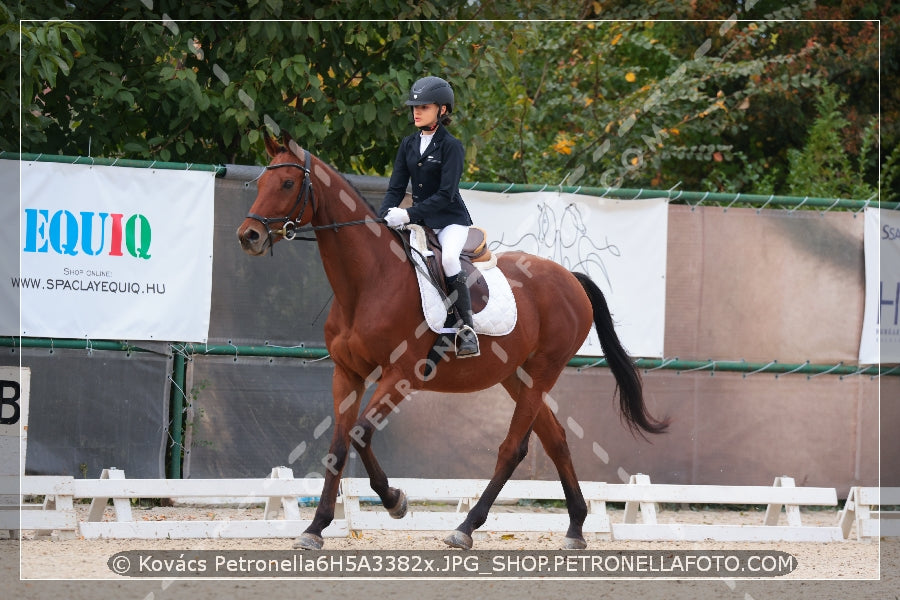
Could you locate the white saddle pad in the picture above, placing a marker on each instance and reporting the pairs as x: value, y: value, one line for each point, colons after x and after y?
x: 499, y: 315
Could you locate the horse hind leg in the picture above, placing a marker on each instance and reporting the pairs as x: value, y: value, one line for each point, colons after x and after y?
x: 461, y: 537
x: 511, y: 452
x: 553, y: 439
x: 531, y: 413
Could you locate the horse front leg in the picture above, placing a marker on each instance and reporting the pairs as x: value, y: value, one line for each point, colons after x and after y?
x: 553, y: 439
x: 347, y: 392
x: 387, y: 396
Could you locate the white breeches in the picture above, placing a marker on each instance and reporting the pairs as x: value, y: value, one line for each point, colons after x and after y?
x: 452, y: 239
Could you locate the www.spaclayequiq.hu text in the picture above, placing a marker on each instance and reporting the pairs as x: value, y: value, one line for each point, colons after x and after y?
x: 449, y: 563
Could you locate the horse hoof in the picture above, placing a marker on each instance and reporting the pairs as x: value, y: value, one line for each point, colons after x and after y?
x: 308, y: 541
x: 574, y: 544
x: 460, y: 540
x: 399, y: 510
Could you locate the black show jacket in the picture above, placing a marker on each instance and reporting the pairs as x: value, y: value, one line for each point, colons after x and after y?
x: 435, y: 176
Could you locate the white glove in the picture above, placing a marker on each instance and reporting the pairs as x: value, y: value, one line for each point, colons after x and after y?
x: 396, y: 217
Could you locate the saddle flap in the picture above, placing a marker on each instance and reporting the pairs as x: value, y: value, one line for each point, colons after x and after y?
x: 431, y: 251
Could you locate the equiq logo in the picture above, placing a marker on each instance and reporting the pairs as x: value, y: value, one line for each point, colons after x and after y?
x: 65, y: 234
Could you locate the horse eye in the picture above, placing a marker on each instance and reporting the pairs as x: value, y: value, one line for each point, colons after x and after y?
x: 288, y: 184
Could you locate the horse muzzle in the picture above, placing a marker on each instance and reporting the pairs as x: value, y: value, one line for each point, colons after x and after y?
x: 254, y: 238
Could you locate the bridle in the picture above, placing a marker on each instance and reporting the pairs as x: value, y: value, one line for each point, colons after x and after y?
x: 306, y: 196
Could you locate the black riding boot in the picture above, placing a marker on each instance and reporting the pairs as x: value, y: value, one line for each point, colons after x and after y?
x: 467, y: 340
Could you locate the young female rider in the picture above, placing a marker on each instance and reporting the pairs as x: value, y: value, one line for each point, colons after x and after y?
x: 433, y: 160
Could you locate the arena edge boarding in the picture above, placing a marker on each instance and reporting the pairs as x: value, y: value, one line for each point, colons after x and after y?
x: 280, y: 491
x: 182, y: 353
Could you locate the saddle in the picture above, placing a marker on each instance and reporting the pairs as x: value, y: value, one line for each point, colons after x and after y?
x: 497, y: 317
x: 475, y: 252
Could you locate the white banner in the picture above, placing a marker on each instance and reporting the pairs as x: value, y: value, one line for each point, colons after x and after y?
x: 881, y: 321
x: 620, y: 244
x: 115, y: 253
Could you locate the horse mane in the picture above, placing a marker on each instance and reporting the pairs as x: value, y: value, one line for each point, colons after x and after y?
x: 360, y: 196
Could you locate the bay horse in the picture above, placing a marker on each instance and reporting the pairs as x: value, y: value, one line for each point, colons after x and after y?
x: 376, y: 333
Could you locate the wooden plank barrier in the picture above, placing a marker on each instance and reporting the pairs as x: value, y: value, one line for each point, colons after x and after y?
x: 9, y: 505
x: 465, y: 493
x: 640, y: 498
x: 281, y: 491
x: 873, y: 511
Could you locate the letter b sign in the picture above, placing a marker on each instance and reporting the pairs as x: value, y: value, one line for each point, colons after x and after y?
x: 9, y: 409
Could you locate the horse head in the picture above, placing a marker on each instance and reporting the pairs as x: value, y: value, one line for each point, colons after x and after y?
x: 284, y: 199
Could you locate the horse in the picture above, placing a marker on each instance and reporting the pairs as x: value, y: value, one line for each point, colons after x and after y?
x: 376, y: 334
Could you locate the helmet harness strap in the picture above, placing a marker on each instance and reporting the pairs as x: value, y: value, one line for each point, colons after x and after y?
x: 431, y: 128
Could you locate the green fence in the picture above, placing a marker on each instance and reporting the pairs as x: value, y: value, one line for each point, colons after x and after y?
x: 183, y: 353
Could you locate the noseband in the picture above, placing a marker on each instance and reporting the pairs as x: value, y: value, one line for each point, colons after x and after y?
x: 305, y: 196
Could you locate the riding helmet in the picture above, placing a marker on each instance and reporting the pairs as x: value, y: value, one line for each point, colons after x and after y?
x: 431, y: 90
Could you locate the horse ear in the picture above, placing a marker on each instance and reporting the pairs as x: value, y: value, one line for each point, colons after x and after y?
x: 271, y: 144
x: 290, y: 144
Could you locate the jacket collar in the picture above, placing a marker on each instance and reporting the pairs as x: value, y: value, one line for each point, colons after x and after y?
x: 439, y: 133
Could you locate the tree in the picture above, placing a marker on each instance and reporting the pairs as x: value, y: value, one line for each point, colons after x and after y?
x: 646, y: 102
x: 823, y: 167
x: 201, y: 91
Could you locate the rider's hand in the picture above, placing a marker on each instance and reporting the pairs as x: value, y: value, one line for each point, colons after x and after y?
x: 396, y: 217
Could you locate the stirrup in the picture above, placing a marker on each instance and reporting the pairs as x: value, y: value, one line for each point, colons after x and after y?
x: 465, y: 336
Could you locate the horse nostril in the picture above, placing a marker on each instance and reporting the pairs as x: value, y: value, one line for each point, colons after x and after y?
x: 251, y: 235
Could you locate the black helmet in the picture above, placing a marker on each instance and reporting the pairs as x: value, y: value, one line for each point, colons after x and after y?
x: 431, y: 90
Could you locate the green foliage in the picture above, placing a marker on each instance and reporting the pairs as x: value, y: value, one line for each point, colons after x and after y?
x: 201, y: 91
x: 823, y: 168
x: 698, y: 103
x: 48, y: 51
x: 634, y: 104
x: 890, y: 177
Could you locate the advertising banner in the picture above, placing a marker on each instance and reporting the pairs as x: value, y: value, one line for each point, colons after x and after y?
x: 620, y: 244
x: 114, y: 252
x: 881, y: 320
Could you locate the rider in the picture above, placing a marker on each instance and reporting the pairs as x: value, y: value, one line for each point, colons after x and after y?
x: 433, y: 160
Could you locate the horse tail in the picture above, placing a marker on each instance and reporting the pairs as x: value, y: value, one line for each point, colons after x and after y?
x: 628, y: 380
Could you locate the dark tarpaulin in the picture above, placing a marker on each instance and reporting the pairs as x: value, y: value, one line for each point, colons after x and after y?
x: 89, y: 411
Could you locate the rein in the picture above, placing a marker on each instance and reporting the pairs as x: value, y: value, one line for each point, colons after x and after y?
x: 289, y: 228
